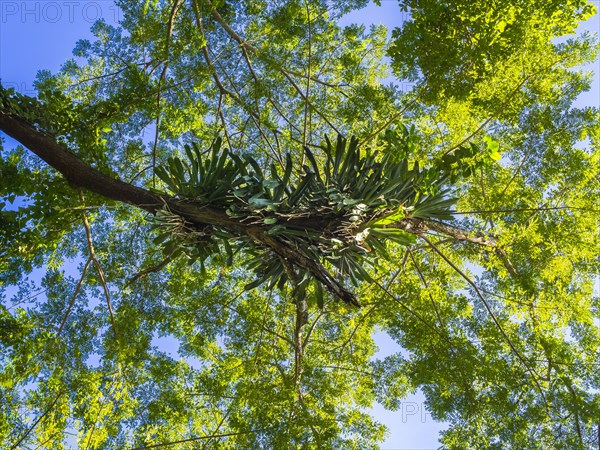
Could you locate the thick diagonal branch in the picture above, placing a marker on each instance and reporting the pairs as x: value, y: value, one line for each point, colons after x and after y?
x: 81, y: 175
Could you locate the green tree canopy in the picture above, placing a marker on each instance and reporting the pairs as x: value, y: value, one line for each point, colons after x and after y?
x: 236, y: 177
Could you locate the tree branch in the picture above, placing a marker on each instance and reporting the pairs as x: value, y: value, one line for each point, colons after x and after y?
x: 419, y: 226
x: 88, y: 233
x: 77, y: 172
x: 183, y: 441
x: 37, y: 421
x: 80, y: 175
x: 150, y: 270
x: 72, y: 302
x: 516, y: 352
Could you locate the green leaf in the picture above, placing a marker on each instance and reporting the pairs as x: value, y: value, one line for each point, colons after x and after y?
x: 254, y: 284
x: 319, y: 294
x: 495, y: 156
x: 259, y: 202
x: 393, y: 234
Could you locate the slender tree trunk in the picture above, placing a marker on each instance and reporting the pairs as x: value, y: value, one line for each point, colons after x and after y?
x: 301, y: 321
x: 299, y: 297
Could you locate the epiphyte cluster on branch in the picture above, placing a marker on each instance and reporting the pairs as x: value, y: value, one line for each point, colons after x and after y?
x: 338, y: 211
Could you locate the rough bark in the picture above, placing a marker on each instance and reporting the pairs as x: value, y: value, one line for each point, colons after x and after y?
x: 77, y: 172
x: 81, y: 175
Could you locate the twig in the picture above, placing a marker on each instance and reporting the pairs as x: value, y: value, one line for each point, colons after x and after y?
x: 304, y: 129
x: 492, y: 315
x: 312, y: 327
x: 163, y: 75
x: 420, y: 226
x: 37, y: 421
x: 205, y: 53
x: 219, y: 425
x: 517, y: 170
x: 393, y: 119
x: 254, y: 50
x: 551, y: 208
x: 414, y: 313
x: 361, y: 321
x: 255, y: 116
x: 150, y: 270
x: 426, y: 285
x: 502, y: 106
x: 194, y: 439
x: 223, y: 122
x: 62, y: 324
x: 88, y: 232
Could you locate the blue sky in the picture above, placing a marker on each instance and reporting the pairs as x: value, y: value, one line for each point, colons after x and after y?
x: 37, y: 35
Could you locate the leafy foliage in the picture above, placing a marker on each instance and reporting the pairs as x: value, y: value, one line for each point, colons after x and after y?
x: 457, y: 45
x: 110, y: 338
